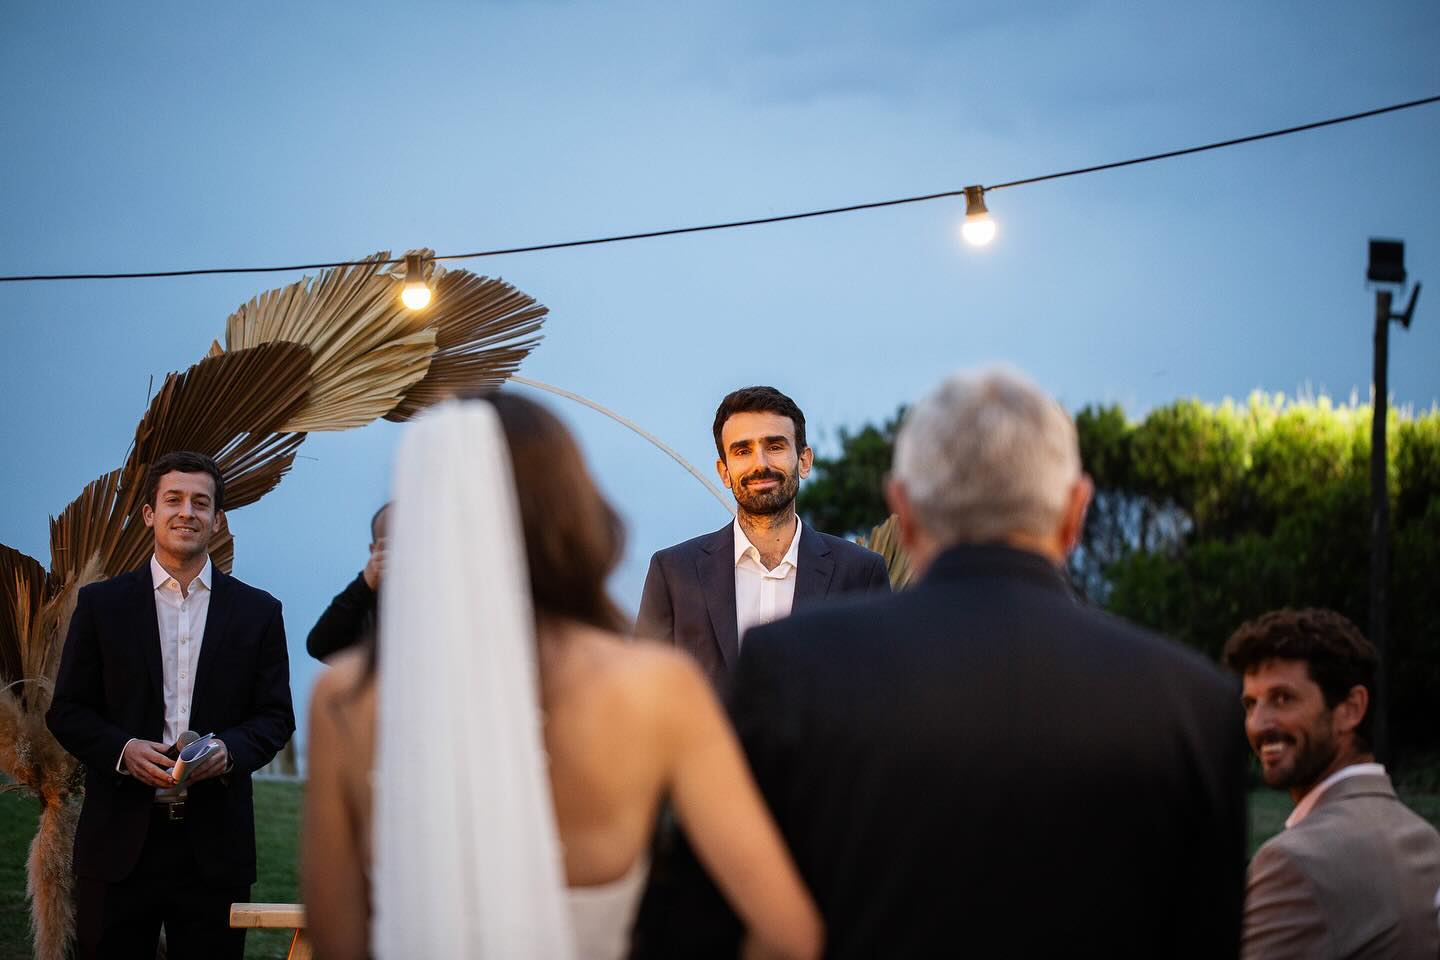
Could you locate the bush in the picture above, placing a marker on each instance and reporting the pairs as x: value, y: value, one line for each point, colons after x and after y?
x: 1206, y: 515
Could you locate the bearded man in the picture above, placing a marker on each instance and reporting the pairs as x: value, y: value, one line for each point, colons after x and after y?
x: 1355, y: 873
x: 705, y: 593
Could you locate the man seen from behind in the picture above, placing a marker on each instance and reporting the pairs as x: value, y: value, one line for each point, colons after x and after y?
x: 981, y: 765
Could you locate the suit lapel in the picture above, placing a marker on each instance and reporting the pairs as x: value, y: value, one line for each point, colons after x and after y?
x: 815, y: 568
x: 715, y: 567
x: 147, y: 628
x: 217, y: 619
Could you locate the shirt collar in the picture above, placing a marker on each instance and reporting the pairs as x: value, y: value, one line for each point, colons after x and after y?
x: 1307, y: 802
x: 159, y: 576
x: 743, y: 546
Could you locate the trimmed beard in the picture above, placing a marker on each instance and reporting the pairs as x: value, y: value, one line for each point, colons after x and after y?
x: 767, y: 503
x: 1311, y: 759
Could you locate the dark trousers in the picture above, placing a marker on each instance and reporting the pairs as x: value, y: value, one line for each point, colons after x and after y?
x: 123, y: 919
x: 682, y: 912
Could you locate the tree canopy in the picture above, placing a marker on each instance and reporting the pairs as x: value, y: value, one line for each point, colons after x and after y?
x: 845, y: 494
x: 1207, y: 515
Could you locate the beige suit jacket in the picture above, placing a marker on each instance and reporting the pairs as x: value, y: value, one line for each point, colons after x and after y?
x: 1358, y: 877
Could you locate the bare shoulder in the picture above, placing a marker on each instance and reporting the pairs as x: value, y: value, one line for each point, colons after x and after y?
x: 644, y: 672
x: 343, y: 675
x: 660, y: 663
x: 669, y: 687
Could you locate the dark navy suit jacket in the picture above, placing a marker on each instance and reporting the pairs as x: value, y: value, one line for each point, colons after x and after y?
x: 689, y: 596
x: 109, y: 689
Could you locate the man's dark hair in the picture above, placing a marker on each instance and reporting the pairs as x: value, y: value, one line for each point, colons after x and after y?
x: 1336, y: 654
x: 759, y: 400
x: 375, y: 518
x: 184, y: 461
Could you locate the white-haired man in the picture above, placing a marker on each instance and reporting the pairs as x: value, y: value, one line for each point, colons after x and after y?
x: 980, y: 765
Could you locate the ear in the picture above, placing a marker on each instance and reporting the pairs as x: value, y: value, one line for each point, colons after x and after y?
x: 899, y: 503
x: 724, y: 473
x: 1349, y: 712
x: 913, y: 536
x: 807, y: 460
x: 1072, y: 521
x: 215, y: 523
x: 147, y: 513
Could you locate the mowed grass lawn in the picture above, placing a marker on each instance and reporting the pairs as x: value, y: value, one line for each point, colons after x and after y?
x: 277, y: 823
x: 277, y: 826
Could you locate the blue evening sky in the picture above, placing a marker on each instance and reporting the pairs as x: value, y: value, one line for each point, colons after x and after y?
x: 173, y: 135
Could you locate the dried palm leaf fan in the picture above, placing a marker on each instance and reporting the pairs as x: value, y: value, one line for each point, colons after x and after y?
x: 328, y: 353
x: 229, y: 406
x: 373, y: 357
x: 367, y: 348
x: 484, y: 328
x: 884, y: 539
x: 23, y: 590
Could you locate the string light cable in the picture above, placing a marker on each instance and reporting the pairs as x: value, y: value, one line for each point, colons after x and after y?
x: 971, y: 193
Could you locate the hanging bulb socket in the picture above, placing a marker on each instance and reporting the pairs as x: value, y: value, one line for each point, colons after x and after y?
x: 416, y: 292
x: 979, y: 228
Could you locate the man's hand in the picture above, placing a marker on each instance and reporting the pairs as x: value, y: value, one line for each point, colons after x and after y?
x: 146, y: 761
x: 375, y: 566
x: 212, y: 766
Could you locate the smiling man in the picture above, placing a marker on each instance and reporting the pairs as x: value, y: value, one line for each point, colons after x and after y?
x: 704, y: 594
x: 173, y: 646
x: 1355, y: 873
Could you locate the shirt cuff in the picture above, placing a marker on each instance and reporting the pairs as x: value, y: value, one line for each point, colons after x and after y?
x: 120, y: 764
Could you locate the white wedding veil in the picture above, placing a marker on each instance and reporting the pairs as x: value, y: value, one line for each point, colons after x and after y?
x: 467, y: 861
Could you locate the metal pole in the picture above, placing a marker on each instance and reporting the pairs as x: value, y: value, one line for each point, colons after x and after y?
x: 1380, y: 526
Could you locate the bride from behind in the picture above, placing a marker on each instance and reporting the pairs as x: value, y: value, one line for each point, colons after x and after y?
x: 485, y: 780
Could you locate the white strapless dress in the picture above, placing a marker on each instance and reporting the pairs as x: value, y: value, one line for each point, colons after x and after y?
x: 602, y: 915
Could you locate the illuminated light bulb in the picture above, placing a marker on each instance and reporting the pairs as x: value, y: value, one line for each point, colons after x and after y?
x: 415, y: 295
x: 978, y: 231
x: 978, y: 228
x: 416, y: 292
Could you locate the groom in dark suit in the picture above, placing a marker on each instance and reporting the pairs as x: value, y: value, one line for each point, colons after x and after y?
x: 173, y: 646
x: 980, y: 765
x: 704, y: 594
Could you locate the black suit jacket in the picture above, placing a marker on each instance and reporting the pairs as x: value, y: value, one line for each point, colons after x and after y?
x: 110, y: 689
x: 689, y: 596
x: 349, y: 619
x: 980, y: 766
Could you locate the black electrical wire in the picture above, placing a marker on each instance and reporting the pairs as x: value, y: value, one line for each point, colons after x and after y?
x: 1221, y: 143
x: 728, y: 225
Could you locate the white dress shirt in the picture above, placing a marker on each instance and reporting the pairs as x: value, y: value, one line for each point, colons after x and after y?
x: 762, y: 596
x: 182, y: 629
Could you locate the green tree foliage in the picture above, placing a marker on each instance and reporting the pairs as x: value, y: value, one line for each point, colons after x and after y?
x: 1206, y: 515
x: 845, y: 494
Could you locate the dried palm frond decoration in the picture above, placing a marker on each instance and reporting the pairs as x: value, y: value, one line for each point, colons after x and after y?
x: 485, y: 328
x: 884, y: 539
x: 326, y: 353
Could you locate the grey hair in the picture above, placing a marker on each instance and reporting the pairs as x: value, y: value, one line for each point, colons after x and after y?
x: 987, y: 455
